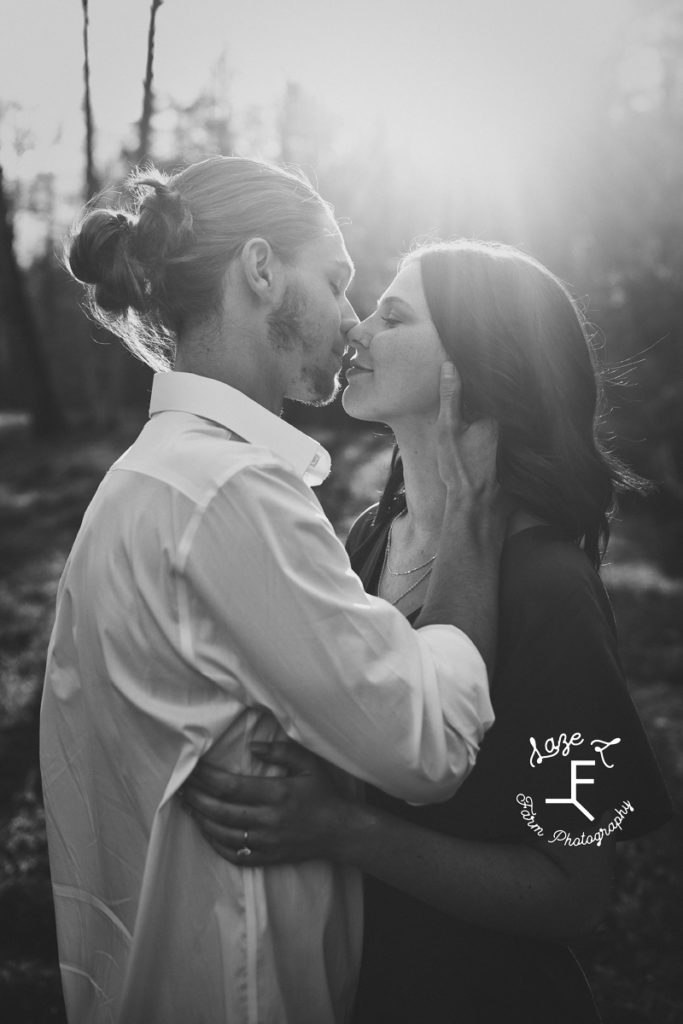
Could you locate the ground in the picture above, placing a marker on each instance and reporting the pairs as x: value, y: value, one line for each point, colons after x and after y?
x: 634, y: 959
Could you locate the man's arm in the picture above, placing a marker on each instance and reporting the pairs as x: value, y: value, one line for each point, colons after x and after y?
x: 274, y: 615
x: 289, y: 625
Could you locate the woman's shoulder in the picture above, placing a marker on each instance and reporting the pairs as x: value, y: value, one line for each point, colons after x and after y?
x: 541, y: 562
x: 362, y: 528
x: 547, y: 579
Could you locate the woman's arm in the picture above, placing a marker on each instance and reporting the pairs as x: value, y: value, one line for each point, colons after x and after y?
x: 514, y: 887
x: 475, y: 518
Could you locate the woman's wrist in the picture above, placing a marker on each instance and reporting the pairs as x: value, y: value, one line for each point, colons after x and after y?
x: 356, y: 829
x: 480, y: 518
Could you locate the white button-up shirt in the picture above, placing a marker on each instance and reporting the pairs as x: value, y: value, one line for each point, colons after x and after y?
x: 207, y: 603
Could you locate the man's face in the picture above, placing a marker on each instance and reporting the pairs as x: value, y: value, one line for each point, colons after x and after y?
x: 314, y: 317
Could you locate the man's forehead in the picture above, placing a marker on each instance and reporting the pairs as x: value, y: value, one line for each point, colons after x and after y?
x: 331, y: 248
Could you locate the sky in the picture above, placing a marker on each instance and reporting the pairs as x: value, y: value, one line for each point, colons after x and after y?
x: 477, y: 81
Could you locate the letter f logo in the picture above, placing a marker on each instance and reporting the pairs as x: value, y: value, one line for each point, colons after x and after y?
x: 575, y: 782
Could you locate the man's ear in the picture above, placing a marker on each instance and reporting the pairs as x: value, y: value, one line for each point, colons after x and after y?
x: 262, y: 269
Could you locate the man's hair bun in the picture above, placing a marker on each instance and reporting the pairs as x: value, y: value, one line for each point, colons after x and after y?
x: 165, y: 222
x: 101, y: 255
x: 125, y: 256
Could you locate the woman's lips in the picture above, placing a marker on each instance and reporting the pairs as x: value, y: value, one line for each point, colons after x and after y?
x: 355, y: 370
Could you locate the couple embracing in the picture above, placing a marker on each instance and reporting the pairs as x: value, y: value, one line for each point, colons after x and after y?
x: 223, y: 677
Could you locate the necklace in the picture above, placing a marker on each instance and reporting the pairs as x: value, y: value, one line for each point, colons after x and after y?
x: 417, y: 582
x: 402, y: 572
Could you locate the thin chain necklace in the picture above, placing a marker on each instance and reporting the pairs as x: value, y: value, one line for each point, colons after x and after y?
x: 402, y: 572
x: 417, y: 582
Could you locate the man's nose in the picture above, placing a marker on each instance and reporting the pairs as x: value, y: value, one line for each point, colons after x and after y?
x: 349, y: 319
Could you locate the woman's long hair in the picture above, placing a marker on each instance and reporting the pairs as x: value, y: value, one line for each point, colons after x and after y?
x: 524, y: 353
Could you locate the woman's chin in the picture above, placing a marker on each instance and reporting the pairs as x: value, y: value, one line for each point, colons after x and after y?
x: 353, y: 407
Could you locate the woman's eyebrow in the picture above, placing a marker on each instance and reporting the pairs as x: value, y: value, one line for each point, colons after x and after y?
x: 395, y: 301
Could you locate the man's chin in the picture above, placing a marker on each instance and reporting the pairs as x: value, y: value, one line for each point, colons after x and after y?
x: 317, y: 392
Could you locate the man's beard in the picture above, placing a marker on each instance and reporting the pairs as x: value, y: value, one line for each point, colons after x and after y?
x: 287, y: 330
x: 286, y: 324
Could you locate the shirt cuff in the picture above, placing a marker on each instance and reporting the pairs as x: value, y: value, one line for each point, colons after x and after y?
x: 463, y: 682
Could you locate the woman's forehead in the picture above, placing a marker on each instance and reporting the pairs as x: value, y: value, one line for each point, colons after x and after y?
x: 407, y: 285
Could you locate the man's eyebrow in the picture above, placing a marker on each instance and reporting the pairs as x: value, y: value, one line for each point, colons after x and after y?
x: 394, y: 300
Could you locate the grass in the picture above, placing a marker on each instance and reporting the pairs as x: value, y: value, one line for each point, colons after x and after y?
x: 635, y: 957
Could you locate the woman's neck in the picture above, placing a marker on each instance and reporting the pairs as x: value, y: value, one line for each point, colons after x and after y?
x: 414, y: 537
x: 425, y: 490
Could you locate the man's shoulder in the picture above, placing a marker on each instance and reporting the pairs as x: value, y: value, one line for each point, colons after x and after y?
x: 200, y: 460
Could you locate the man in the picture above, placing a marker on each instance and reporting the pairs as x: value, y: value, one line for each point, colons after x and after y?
x: 207, y: 604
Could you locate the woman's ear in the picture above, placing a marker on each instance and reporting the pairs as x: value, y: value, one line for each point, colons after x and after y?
x: 466, y: 413
x: 470, y: 410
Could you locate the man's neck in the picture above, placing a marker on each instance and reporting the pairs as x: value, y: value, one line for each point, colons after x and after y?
x: 240, y: 371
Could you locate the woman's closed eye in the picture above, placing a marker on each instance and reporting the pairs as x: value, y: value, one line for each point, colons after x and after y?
x: 390, y: 321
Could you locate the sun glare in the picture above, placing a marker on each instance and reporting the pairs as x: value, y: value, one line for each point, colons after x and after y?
x: 465, y: 96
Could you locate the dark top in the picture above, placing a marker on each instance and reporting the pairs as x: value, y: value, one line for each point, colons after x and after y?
x: 558, y: 680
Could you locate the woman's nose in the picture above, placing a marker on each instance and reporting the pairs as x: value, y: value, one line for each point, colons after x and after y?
x: 359, y: 336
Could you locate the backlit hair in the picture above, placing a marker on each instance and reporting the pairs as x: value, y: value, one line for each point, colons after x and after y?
x: 524, y: 352
x: 157, y: 266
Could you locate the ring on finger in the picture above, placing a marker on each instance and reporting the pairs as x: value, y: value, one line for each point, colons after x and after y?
x: 245, y: 850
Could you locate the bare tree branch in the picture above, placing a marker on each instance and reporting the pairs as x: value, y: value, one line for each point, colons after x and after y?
x: 91, y: 179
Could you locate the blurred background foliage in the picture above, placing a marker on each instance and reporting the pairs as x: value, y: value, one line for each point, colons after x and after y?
x: 592, y: 186
x: 590, y: 183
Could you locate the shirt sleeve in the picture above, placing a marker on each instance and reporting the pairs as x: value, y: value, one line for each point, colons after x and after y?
x: 274, y: 613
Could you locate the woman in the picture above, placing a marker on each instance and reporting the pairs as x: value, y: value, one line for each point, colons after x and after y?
x: 469, y: 902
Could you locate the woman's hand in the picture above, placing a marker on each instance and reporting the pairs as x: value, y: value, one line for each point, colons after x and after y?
x: 474, y: 524
x: 295, y: 817
x: 466, y: 452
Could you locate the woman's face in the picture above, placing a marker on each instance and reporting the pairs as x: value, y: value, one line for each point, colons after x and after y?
x: 395, y: 368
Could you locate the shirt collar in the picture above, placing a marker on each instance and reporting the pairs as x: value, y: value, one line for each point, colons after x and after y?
x: 216, y: 401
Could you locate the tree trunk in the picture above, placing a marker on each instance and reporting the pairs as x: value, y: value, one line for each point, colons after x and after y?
x: 91, y: 179
x: 136, y: 375
x: 148, y: 94
x: 28, y: 356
